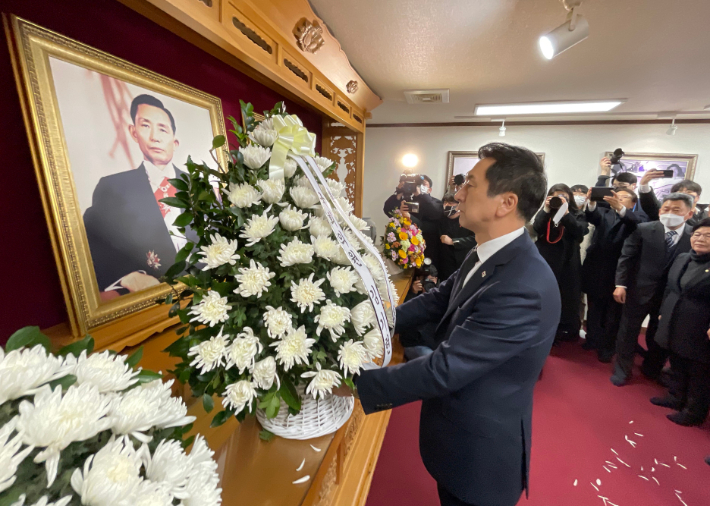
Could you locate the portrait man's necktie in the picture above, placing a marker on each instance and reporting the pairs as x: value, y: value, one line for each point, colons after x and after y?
x: 670, y: 236
x: 165, y: 189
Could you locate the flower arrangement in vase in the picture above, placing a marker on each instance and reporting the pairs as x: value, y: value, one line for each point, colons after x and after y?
x: 275, y: 311
x: 403, y: 241
x: 82, y: 428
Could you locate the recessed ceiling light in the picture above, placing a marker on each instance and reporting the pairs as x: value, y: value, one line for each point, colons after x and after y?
x: 547, y: 108
x: 410, y: 160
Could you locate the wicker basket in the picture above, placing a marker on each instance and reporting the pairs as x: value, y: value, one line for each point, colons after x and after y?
x: 316, y: 418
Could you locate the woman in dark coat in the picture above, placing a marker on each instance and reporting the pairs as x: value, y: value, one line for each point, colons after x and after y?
x: 559, y: 244
x: 683, y: 329
x: 456, y: 240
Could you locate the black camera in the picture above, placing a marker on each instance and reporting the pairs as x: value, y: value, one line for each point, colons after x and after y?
x: 459, y: 179
x: 427, y: 269
x: 616, y: 157
x: 556, y: 203
x: 409, y: 187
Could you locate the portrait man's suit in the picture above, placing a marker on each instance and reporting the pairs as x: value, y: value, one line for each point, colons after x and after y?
x: 126, y: 229
x: 643, y: 270
x: 494, y: 336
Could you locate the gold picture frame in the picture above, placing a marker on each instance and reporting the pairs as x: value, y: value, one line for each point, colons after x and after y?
x: 36, y: 54
x: 468, y: 158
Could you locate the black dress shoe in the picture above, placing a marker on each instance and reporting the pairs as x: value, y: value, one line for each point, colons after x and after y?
x: 618, y: 380
x: 707, y: 460
x: 605, y: 356
x: 668, y: 402
x: 685, y: 418
x: 588, y: 346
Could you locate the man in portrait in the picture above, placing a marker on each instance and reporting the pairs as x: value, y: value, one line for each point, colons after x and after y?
x: 131, y: 235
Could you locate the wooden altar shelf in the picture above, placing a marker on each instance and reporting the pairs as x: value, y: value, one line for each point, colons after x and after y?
x: 263, y: 37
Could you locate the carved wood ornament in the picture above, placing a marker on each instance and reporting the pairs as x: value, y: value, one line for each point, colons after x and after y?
x: 351, y: 87
x: 309, y: 36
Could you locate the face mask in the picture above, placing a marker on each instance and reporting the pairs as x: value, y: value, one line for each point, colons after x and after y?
x: 580, y: 200
x: 450, y: 211
x: 424, y: 189
x: 671, y: 220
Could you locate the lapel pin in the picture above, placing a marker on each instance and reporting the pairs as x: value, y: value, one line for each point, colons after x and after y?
x: 483, y: 274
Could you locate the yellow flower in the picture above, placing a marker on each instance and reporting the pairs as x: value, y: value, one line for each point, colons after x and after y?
x: 403, y: 235
x: 419, y: 261
x: 402, y: 254
x: 406, y: 222
x: 387, y: 246
x: 415, y: 241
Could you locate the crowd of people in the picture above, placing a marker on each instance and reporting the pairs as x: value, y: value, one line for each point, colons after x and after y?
x: 627, y: 254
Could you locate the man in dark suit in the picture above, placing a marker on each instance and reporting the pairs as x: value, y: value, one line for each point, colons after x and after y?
x: 641, y: 275
x: 612, y: 226
x: 651, y: 205
x: 497, y: 318
x: 128, y: 228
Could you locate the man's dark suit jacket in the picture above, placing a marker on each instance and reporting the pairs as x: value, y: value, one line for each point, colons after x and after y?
x: 477, y: 386
x: 123, y: 225
x: 644, y: 262
x: 610, y: 232
x: 651, y: 205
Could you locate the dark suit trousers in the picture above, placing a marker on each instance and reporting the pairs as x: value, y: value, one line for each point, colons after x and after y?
x: 603, y: 317
x: 632, y: 319
x: 448, y: 499
x: 693, y: 387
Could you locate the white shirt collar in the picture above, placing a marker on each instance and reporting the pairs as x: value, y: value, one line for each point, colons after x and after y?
x: 156, y: 175
x: 490, y: 248
x: 679, y: 231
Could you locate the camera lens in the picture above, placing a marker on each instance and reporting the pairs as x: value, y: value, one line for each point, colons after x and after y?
x: 555, y: 203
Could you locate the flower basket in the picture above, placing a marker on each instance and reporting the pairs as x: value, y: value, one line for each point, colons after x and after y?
x: 392, y: 267
x: 317, y: 417
x: 403, y: 242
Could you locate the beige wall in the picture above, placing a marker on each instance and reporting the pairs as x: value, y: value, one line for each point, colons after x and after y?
x: 572, y: 153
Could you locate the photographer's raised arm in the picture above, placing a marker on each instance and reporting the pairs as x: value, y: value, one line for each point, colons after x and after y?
x: 647, y: 197
x: 430, y: 209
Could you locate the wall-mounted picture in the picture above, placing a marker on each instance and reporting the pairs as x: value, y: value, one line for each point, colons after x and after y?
x: 683, y: 167
x: 108, y: 136
x: 460, y: 162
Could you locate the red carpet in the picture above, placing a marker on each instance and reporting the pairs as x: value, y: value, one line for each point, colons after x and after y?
x: 579, y: 417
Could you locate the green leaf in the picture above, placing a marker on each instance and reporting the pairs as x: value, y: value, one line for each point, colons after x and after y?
x: 183, y: 220
x: 265, y: 435
x: 218, y: 141
x: 28, y: 337
x: 173, y: 310
x: 146, y: 376
x: 204, y: 195
x: 207, y: 403
x: 65, y: 382
x: 188, y: 442
x: 12, y: 496
x: 135, y: 357
x: 179, y: 184
x: 289, y: 394
x: 175, y: 269
x: 175, y: 202
x: 185, y: 250
x: 77, y: 347
x: 220, y: 418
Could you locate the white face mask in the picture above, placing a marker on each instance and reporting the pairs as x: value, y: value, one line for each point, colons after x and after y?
x: 424, y: 189
x: 671, y: 220
x: 580, y: 200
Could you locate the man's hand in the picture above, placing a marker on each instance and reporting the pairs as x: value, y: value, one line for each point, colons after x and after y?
x: 404, y: 209
x: 137, y: 281
x: 589, y: 196
x: 547, y: 204
x: 605, y: 164
x: 620, y: 295
x: 417, y: 286
x: 614, y: 202
x: 447, y: 240
x: 452, y: 183
x: 650, y: 175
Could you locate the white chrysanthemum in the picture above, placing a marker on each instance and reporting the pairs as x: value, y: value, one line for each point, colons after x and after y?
x: 352, y: 355
x: 221, y: 251
x: 107, y: 372
x: 344, y: 205
x: 293, y: 348
x: 290, y: 167
x: 273, y: 190
x: 243, y: 195
x: 336, y: 187
x: 150, y: 405
x: 295, y: 252
x: 302, y: 182
x: 23, y: 371
x: 258, y: 227
x: 203, y: 485
x: 264, y: 373
x: 255, y: 156
x: 382, y: 288
x: 325, y: 247
x: 373, y: 264
x: 263, y: 136
x: 305, y: 198
x: 44, y: 501
x: 306, y: 293
x: 353, y: 240
x: 266, y: 124
x: 372, y: 341
x: 209, y: 354
x: 319, y: 227
x: 150, y: 493
x: 211, y: 310
x: 253, y: 280
x: 239, y: 395
x: 323, y: 163
x: 110, y: 477
x: 342, y: 280
x: 360, y: 286
x: 358, y: 223
x: 243, y: 350
x: 277, y: 321
x: 332, y: 317
x: 341, y: 258
x: 54, y: 421
x: 363, y: 316
x: 11, y: 454
x: 292, y: 219
x: 322, y: 383
x: 169, y: 465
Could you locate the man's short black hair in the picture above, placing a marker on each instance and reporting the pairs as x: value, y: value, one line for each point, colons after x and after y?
x: 705, y: 222
x: 149, y: 100
x: 579, y: 188
x: 626, y: 177
x: 427, y: 178
x: 517, y: 170
x: 634, y: 197
x: 689, y: 186
x: 680, y: 197
x: 449, y: 197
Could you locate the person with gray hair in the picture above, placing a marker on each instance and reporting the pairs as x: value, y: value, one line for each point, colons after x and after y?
x: 641, y: 275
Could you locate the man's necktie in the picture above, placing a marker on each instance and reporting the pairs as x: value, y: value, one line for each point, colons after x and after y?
x: 466, y: 267
x: 165, y: 189
x: 669, y: 238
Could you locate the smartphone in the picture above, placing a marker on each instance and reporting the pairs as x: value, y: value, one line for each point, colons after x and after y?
x: 599, y: 192
x: 668, y: 174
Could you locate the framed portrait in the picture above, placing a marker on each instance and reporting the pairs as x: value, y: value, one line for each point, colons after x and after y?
x: 683, y: 167
x: 460, y: 162
x: 107, y: 136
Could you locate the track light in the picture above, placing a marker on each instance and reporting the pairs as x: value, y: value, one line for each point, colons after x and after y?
x: 501, y: 130
x: 571, y: 32
x: 672, y: 129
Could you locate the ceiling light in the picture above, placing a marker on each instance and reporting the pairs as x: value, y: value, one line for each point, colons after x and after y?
x: 410, y: 160
x: 706, y: 108
x: 672, y: 129
x: 571, y: 32
x: 547, y: 108
x: 501, y: 130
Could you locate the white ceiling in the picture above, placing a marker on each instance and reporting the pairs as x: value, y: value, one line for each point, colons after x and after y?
x: 654, y: 53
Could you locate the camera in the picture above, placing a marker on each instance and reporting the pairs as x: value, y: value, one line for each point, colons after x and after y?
x: 428, y: 269
x: 615, y: 160
x: 409, y: 187
x: 459, y: 179
x: 556, y: 203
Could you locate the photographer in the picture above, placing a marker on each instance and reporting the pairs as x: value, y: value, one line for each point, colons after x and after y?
x: 558, y: 242
x: 651, y: 205
x: 456, y: 241
x: 420, y: 341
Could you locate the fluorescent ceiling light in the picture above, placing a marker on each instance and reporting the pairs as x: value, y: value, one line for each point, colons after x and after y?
x: 547, y: 108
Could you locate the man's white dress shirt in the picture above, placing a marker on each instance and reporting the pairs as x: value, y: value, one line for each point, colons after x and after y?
x: 490, y: 248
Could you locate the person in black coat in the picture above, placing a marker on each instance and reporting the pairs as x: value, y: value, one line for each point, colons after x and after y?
x: 558, y: 243
x: 641, y: 275
x: 456, y: 241
x: 612, y: 226
x: 651, y: 205
x: 684, y: 329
